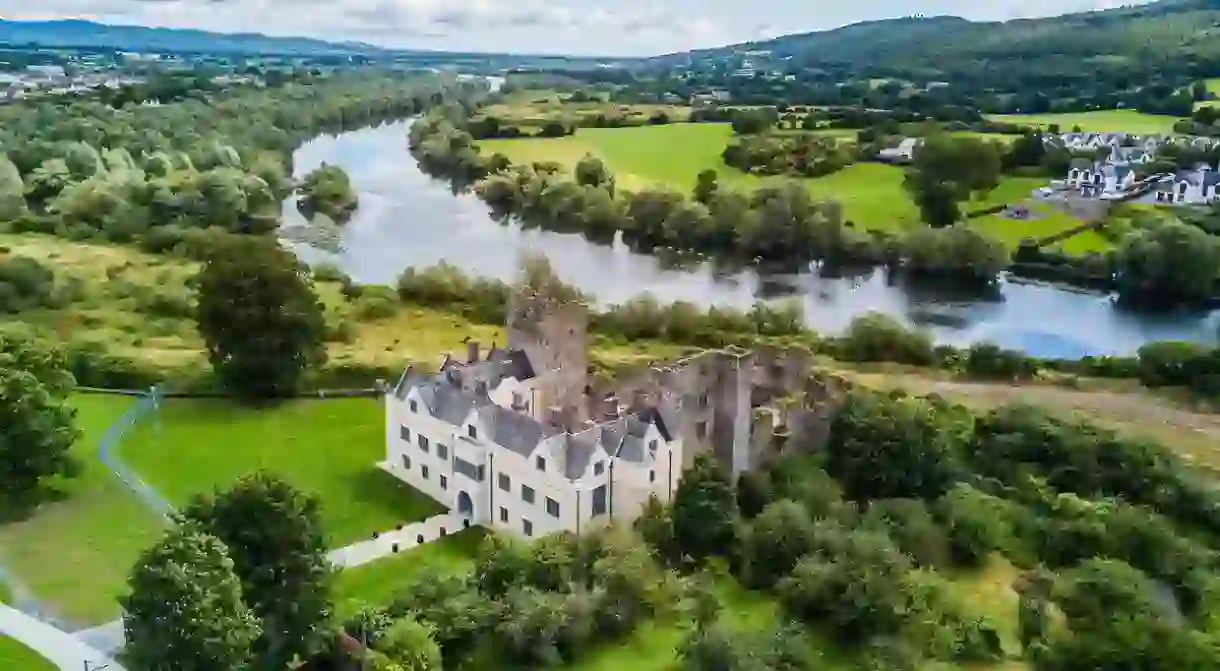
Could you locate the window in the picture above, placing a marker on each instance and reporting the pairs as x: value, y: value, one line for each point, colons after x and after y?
x: 472, y: 431
x: 652, y: 476
x: 703, y: 400
x: 652, y: 447
x: 527, y: 494
x: 468, y: 469
x: 444, y: 482
x: 505, y: 483
x: 442, y: 451
x: 540, y: 463
x: 404, y: 433
x: 423, y: 442
x: 527, y: 526
x: 423, y: 470
x: 599, y: 468
x: 406, y: 462
x: 599, y: 501
x: 414, y: 406
x: 552, y: 507
x: 504, y: 514
x: 701, y: 430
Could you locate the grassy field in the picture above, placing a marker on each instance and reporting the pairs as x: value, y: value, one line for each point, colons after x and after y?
x: 1102, y: 121
x: 119, y: 284
x: 16, y: 657
x: 75, y: 554
x: 532, y: 108
x: 329, y: 448
x: 673, y: 156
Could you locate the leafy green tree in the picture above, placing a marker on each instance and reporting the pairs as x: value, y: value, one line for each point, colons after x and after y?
x: 886, y: 447
x: 328, y: 189
x: 411, y: 645
x: 1174, y: 262
x: 947, y: 170
x: 274, y: 535
x: 591, y: 171
x: 185, y: 610
x: 260, y: 318
x: 12, y: 191
x: 955, y: 251
x: 39, y: 425
x: 707, y: 186
x: 704, y: 511
x: 774, y: 542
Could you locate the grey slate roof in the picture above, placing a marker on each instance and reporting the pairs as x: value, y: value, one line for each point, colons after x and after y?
x: 450, y: 403
x: 514, y: 430
x: 579, y: 450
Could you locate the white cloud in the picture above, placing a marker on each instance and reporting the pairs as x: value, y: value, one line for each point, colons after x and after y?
x: 629, y: 27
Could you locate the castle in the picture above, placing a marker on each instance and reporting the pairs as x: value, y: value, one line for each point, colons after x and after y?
x: 517, y: 438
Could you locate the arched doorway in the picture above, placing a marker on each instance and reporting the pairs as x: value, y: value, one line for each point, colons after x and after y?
x: 465, y: 505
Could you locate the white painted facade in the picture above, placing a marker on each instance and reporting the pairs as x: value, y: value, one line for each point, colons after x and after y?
x: 531, y: 490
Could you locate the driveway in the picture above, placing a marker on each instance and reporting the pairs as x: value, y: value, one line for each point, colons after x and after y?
x: 59, y: 647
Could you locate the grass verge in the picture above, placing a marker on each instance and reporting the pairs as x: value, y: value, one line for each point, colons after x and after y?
x: 14, y: 656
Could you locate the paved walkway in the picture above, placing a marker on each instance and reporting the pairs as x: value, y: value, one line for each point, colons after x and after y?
x: 60, y: 648
x: 109, y: 637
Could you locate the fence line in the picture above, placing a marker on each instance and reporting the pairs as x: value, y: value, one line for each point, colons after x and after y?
x: 148, y: 402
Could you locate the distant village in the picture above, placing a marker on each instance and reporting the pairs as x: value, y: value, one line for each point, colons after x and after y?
x: 1115, y: 175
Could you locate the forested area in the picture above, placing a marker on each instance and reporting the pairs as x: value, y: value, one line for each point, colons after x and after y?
x: 1142, y: 57
x: 1116, y: 538
x: 153, y: 173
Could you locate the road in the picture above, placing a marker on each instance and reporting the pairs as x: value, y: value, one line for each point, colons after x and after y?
x: 62, y: 649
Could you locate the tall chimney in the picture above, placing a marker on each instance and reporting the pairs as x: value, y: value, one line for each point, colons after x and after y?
x: 472, y: 351
x: 639, y: 399
x: 554, y: 416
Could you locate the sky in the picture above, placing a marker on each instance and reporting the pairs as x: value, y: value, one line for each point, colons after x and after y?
x: 585, y: 27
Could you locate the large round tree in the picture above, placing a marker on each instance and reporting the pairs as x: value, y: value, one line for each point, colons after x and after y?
x: 185, y: 610
x: 260, y: 318
x: 38, y: 426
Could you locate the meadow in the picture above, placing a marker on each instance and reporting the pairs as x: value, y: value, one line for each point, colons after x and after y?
x: 672, y: 156
x: 329, y: 448
x: 1101, y: 121
x: 533, y: 108
x: 17, y: 657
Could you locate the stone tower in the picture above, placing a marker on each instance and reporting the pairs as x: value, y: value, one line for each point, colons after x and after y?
x: 551, y: 326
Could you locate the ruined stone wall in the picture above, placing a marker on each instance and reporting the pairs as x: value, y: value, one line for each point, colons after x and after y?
x: 554, y: 335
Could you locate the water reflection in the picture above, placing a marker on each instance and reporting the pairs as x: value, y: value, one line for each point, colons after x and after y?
x: 408, y: 219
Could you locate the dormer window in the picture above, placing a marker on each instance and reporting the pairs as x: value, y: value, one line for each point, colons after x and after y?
x: 652, y: 447
x: 540, y: 463
x: 599, y: 468
x: 472, y: 431
x: 414, y: 406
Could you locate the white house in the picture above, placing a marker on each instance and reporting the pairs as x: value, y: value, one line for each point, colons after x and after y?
x: 904, y: 152
x: 474, y: 438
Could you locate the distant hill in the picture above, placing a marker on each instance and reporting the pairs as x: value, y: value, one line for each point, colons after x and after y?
x: 79, y: 33
x: 1165, y: 31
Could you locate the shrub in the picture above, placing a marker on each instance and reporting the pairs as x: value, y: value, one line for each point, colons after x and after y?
x: 24, y: 284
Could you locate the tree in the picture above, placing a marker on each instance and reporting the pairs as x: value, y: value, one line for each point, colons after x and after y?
x: 411, y: 645
x: 886, y: 447
x: 274, y: 535
x: 591, y: 171
x: 12, y: 190
x: 260, y: 318
x: 947, y: 170
x: 39, y: 425
x: 185, y: 610
x: 704, y: 511
x: 1174, y: 262
x: 706, y: 187
x: 775, y: 541
x: 328, y: 189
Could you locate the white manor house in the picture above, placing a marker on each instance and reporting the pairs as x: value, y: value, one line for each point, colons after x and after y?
x: 497, y: 439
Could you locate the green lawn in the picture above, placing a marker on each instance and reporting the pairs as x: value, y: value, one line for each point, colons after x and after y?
x: 329, y: 448
x: 871, y: 193
x: 1103, y: 121
x: 75, y: 554
x: 16, y: 657
x: 674, y: 155
x: 379, y: 581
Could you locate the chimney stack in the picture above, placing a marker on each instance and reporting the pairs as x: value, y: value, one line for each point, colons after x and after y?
x: 472, y: 351
x: 610, y: 407
x: 480, y: 387
x: 639, y: 400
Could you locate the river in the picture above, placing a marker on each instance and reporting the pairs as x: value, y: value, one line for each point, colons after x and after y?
x: 407, y: 219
